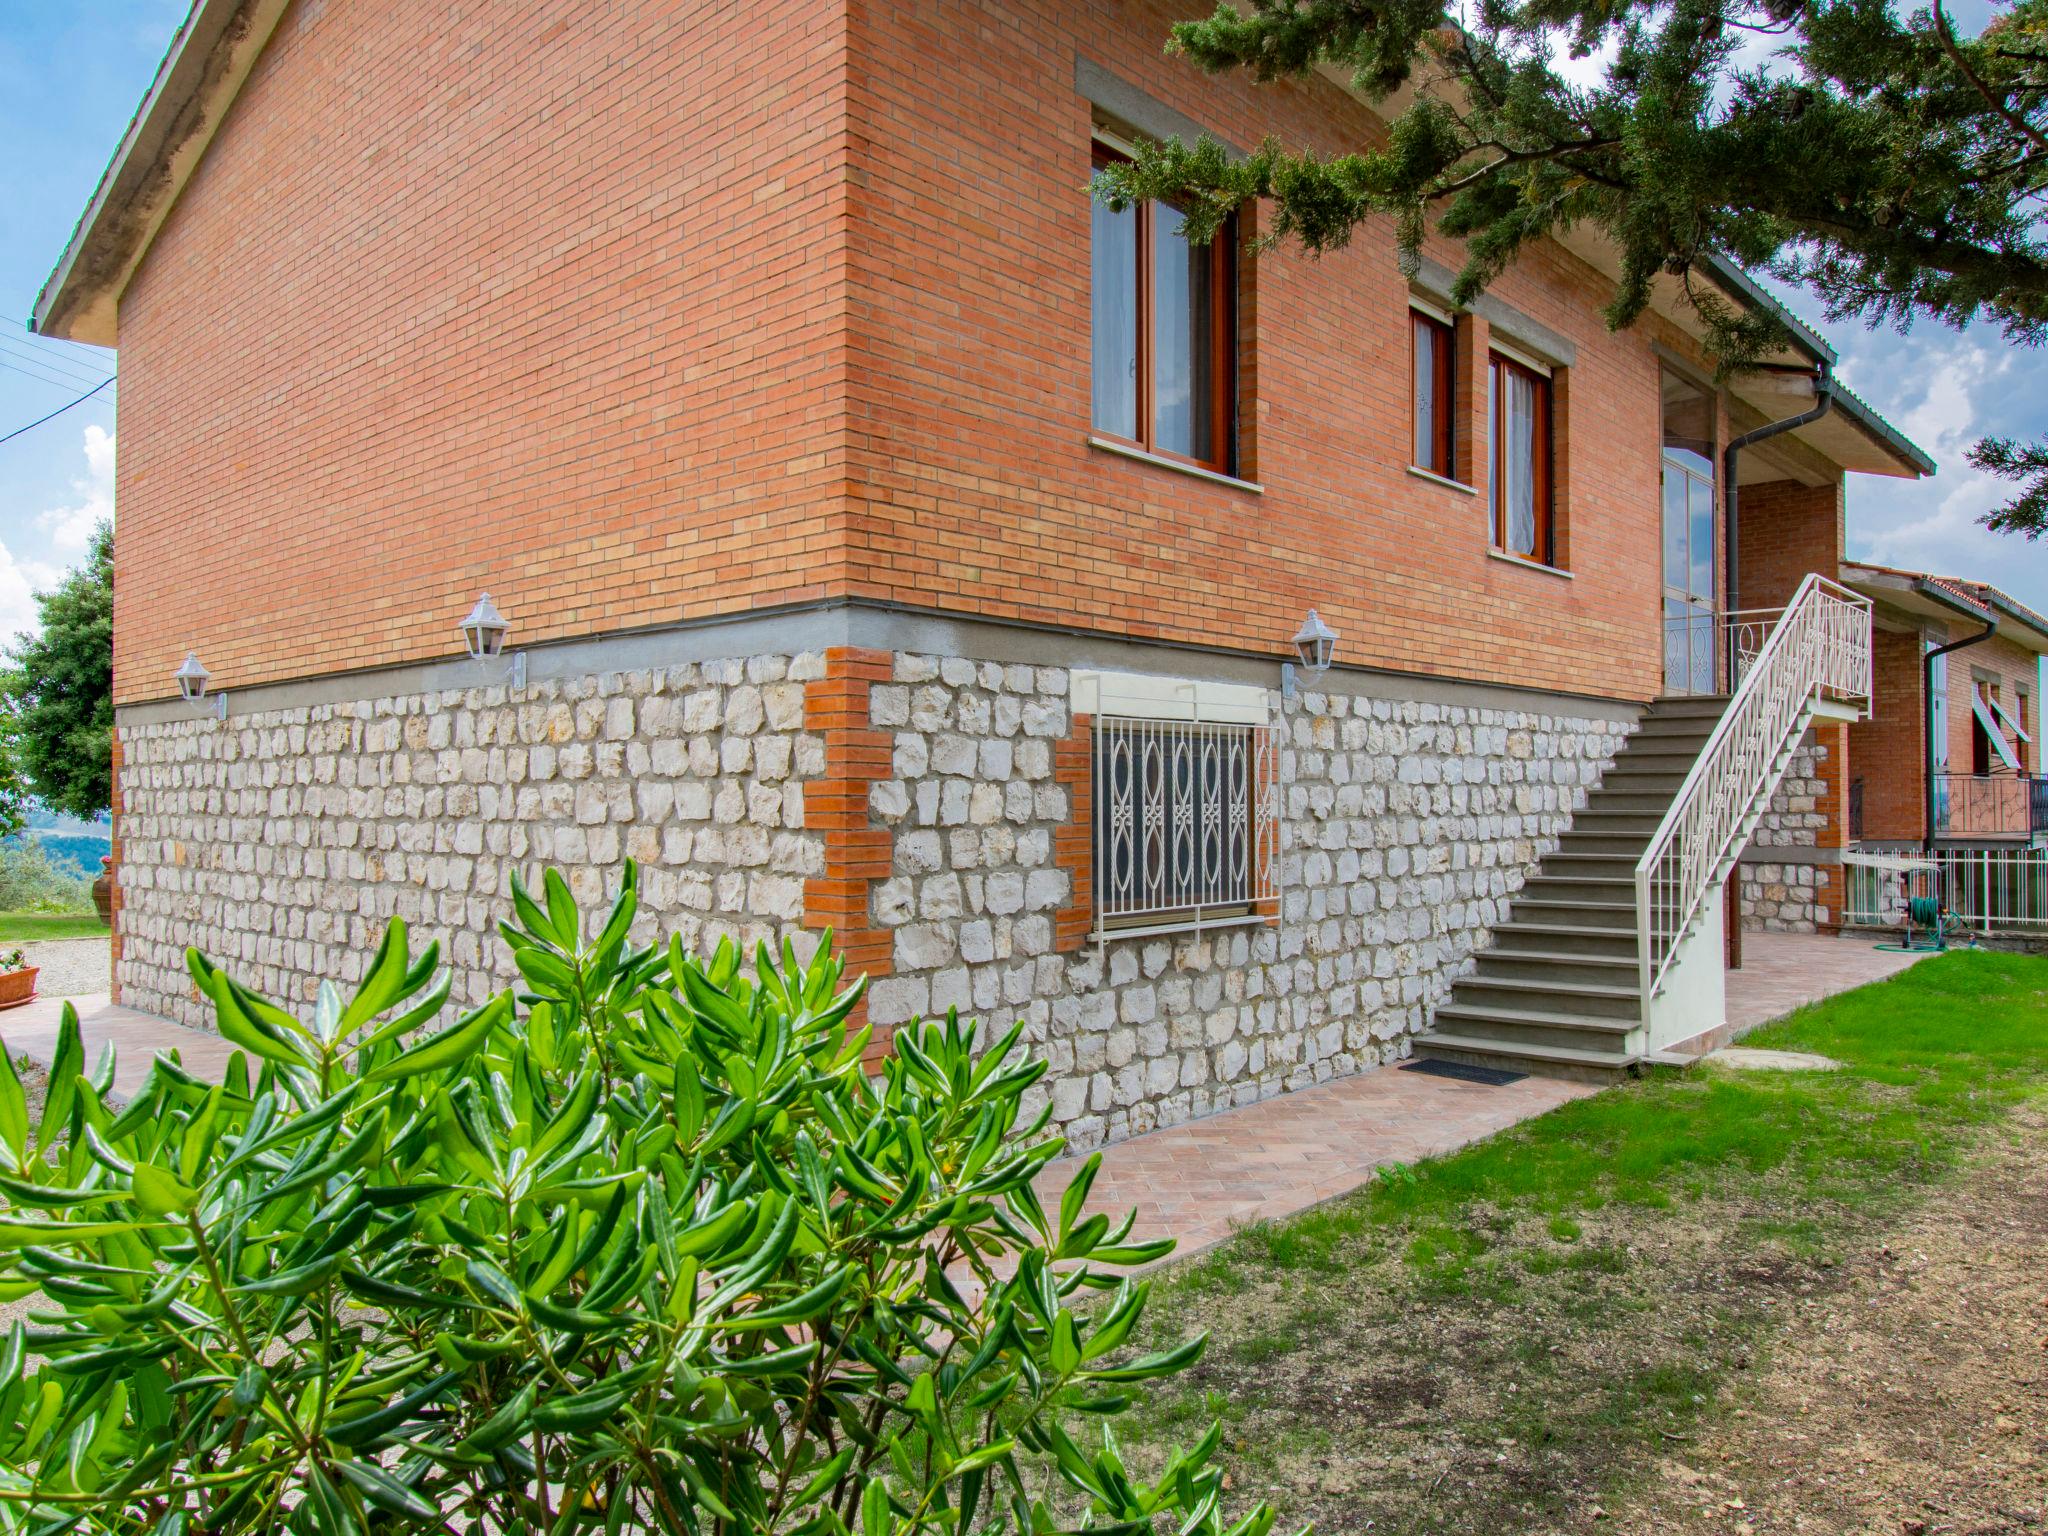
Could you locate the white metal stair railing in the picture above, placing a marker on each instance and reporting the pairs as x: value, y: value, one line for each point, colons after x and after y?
x: 1819, y: 649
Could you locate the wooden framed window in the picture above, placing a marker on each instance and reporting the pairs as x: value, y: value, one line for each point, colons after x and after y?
x: 1165, y: 334
x: 1430, y: 377
x: 1518, y: 460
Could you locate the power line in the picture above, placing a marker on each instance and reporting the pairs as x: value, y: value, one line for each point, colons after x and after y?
x: 55, y: 381
x: 57, y: 363
x: 11, y: 436
x: 24, y: 345
x: 68, y: 377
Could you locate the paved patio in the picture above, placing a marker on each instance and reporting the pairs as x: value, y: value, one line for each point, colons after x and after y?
x: 1198, y: 1181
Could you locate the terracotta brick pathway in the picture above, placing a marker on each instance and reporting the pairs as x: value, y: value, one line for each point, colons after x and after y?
x: 1199, y: 1181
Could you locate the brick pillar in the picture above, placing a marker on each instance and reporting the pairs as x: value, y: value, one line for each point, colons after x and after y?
x: 1833, y: 803
x: 1561, y: 467
x: 1073, y: 845
x: 114, y: 851
x: 1472, y: 339
x: 857, y: 852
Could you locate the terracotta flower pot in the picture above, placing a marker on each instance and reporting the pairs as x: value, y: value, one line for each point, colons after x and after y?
x: 17, y: 986
x: 103, y: 892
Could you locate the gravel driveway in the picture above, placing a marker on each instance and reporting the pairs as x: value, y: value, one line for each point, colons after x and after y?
x: 72, y: 967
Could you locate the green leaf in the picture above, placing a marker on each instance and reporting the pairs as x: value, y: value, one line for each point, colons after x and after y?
x: 450, y: 1047
x: 800, y: 1309
x: 16, y: 1235
x: 162, y: 1194
x: 568, y: 924
x: 583, y: 1411
x: 386, y: 1491
x: 1165, y: 1363
x: 13, y: 1105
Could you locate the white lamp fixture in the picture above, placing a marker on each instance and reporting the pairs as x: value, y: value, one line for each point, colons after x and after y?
x: 192, y: 680
x: 1314, y: 644
x: 483, y: 636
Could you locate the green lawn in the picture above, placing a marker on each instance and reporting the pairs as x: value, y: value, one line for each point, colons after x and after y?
x: 1517, y: 1330
x: 34, y: 927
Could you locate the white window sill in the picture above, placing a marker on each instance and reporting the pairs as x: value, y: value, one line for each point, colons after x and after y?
x: 1182, y: 925
x: 1125, y: 450
x: 1436, y: 479
x: 1529, y: 565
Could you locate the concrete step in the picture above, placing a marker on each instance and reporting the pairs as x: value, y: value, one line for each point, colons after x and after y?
x: 1615, y: 889
x: 1674, y: 706
x: 1585, y: 1001
x: 1516, y: 935
x: 1635, y: 800
x: 1627, y: 846
x: 1549, y: 1060
x: 1564, y: 967
x: 1578, y: 863
x: 1552, y: 910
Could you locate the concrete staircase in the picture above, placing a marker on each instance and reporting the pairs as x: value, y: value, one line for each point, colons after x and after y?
x: 1558, y: 992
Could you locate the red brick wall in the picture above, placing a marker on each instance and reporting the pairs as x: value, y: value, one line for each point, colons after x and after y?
x: 857, y: 852
x: 1887, y: 750
x: 2013, y: 668
x: 544, y: 298
x: 973, y: 483
x: 637, y: 312
x: 1787, y: 530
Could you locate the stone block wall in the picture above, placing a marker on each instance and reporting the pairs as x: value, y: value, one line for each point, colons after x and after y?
x: 1791, y: 874
x: 280, y: 843
x: 933, y: 809
x: 1405, y: 827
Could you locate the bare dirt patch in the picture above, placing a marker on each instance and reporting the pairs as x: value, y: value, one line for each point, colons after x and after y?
x: 1913, y: 1400
x: 1748, y: 1359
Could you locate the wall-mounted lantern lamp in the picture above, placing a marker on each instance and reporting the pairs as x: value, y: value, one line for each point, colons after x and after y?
x: 483, y: 636
x: 192, y: 680
x: 1314, y: 644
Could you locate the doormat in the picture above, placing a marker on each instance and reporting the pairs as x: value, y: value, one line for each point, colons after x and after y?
x: 1493, y: 1077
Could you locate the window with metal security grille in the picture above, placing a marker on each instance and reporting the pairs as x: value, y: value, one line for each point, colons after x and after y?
x: 1186, y: 832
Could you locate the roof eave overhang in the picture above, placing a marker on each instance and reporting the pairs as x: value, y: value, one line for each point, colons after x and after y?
x: 195, y: 86
x: 1915, y: 593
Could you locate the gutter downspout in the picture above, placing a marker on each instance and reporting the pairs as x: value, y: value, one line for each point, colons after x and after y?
x: 1927, y: 720
x: 1824, y: 400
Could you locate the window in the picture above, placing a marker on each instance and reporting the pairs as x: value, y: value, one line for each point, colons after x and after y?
x: 1430, y: 374
x: 1164, y: 334
x: 1690, y: 608
x: 1518, y: 460
x: 1185, y: 834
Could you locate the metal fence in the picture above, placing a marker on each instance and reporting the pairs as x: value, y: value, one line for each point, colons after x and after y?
x: 1187, y: 825
x: 1988, y: 890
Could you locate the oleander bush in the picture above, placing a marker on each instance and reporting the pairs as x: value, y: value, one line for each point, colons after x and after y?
x: 639, y: 1246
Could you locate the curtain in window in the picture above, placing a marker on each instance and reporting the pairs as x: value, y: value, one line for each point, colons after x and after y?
x: 1518, y: 491
x: 1116, y: 321
x: 1182, y: 360
x: 1426, y: 403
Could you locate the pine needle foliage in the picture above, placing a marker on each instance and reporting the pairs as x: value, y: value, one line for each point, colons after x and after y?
x: 1891, y: 166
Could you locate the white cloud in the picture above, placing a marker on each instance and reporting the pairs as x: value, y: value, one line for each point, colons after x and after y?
x: 20, y: 580
x: 70, y: 528
x: 1944, y: 395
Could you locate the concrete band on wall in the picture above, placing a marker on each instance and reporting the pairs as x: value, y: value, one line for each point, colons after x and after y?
x: 932, y: 801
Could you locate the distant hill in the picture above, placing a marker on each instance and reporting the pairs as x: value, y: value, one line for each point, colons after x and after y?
x: 71, y: 843
x: 79, y: 851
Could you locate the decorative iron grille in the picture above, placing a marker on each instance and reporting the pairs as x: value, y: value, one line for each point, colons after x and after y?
x: 1186, y: 824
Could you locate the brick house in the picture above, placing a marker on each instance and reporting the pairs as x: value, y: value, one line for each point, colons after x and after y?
x: 1958, y: 672
x: 895, y: 540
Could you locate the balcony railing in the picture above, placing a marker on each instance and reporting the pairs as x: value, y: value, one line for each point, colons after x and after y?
x: 1990, y: 805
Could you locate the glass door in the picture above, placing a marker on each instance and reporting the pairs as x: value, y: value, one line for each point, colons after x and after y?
x: 1690, y: 630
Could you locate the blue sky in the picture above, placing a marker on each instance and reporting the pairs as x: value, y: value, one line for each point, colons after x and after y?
x: 72, y: 73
